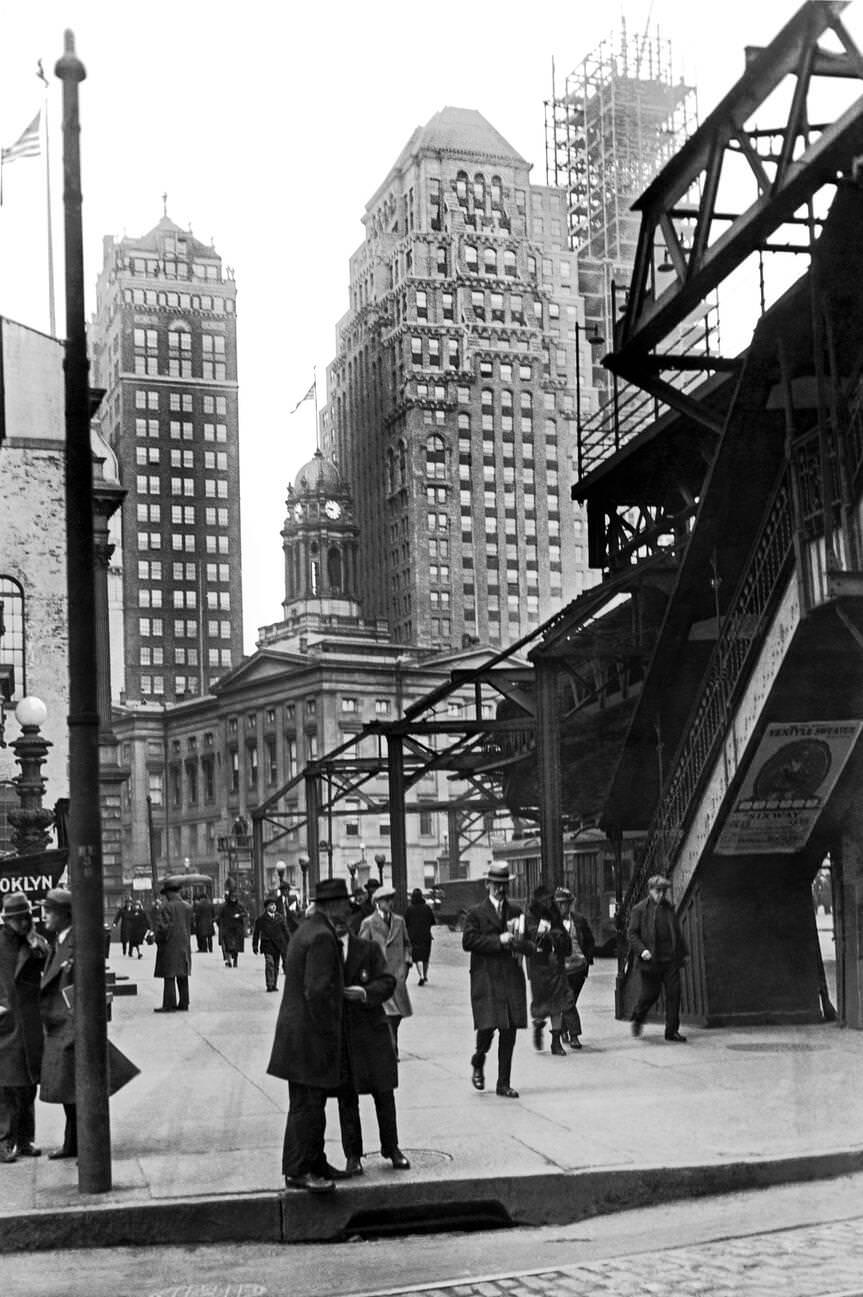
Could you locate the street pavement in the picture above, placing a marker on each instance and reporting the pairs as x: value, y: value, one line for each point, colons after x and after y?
x: 196, y: 1138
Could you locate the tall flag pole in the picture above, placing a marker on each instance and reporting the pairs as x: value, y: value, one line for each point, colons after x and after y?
x: 52, y: 318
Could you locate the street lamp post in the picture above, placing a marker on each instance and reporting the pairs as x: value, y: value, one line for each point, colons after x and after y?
x: 380, y: 861
x: 31, y: 822
x: 304, y: 870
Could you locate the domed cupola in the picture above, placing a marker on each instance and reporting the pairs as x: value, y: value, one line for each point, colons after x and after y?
x: 319, y: 536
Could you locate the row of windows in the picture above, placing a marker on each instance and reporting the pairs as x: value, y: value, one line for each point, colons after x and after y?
x: 182, y: 514
x: 180, y: 402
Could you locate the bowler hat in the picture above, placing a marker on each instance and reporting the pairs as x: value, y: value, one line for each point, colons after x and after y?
x: 658, y: 881
x: 15, y: 905
x: 384, y: 891
x: 372, y: 885
x: 498, y: 874
x: 58, y: 899
x: 331, y: 889
x: 563, y: 894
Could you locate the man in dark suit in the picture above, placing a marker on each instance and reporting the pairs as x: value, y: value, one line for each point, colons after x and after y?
x: 172, y: 928
x: 307, y: 1048
x: 657, y: 942
x: 369, y: 1058
x: 56, y: 1008
x: 22, y: 958
x: 497, y: 988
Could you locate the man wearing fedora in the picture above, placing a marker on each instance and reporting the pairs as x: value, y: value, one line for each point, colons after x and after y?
x: 657, y: 943
x: 55, y: 1003
x: 172, y: 928
x: 307, y: 1048
x: 497, y: 988
x: 389, y: 931
x: 22, y: 957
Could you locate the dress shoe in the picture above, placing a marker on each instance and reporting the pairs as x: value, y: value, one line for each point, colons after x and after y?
x: 574, y: 1042
x: 7, y: 1153
x: 398, y: 1159
x: 354, y: 1166
x: 422, y: 982
x: 28, y: 1150
x: 676, y: 1039
x: 333, y: 1173
x: 506, y: 1091
x: 313, y: 1183
x: 636, y: 1027
x: 164, y: 1010
x: 60, y: 1154
x: 477, y: 1077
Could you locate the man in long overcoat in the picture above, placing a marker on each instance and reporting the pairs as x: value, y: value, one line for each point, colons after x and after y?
x: 390, y: 932
x: 369, y: 1065
x: 307, y: 1048
x: 658, y: 944
x: 204, y: 925
x: 172, y: 928
x: 497, y: 989
x: 22, y: 958
x: 56, y: 1007
x: 232, y: 918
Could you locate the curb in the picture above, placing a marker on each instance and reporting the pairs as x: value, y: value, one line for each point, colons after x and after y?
x: 423, y: 1206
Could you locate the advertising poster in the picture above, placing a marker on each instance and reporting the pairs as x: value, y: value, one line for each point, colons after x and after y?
x: 787, y: 786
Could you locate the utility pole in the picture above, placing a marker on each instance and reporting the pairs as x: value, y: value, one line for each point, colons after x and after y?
x: 85, y: 826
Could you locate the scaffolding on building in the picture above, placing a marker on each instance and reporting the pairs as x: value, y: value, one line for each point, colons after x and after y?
x: 621, y: 116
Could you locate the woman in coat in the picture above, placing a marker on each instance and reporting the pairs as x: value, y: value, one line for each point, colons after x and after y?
x: 232, y: 919
x: 56, y: 1007
x: 139, y: 926
x: 549, y: 988
x: 391, y: 934
x: 419, y: 920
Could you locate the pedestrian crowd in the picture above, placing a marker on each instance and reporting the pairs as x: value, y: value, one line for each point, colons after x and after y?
x: 345, y: 962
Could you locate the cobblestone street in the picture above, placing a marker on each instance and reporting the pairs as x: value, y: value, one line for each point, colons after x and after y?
x: 815, y: 1261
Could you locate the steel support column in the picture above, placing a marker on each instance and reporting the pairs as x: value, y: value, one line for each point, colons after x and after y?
x: 548, y: 770
x: 398, y: 844
x: 313, y: 836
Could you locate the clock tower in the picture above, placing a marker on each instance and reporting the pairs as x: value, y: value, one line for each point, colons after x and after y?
x: 319, y: 539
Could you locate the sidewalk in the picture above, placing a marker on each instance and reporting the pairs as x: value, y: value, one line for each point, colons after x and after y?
x: 197, y: 1136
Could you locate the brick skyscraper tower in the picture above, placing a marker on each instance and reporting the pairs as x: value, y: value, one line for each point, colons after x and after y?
x: 451, y: 397
x: 164, y: 348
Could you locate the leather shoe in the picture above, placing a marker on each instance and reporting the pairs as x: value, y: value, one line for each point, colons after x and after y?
x: 354, y: 1166
x: 313, y: 1183
x: 506, y: 1091
x: 636, y: 1027
x: 676, y: 1038
x: 574, y: 1042
x: 399, y: 1161
x: 28, y: 1150
x: 477, y: 1077
x: 333, y: 1173
x: 163, y: 1010
x: 7, y: 1153
x: 60, y: 1153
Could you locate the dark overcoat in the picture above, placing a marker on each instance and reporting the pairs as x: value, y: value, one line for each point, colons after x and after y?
x: 642, y: 930
x: 172, y: 928
x: 124, y: 917
x: 139, y: 925
x: 270, y: 935
x: 549, y: 988
x: 21, y: 1026
x: 497, y: 990
x: 58, y: 1058
x: 231, y: 919
x: 394, y: 941
x: 371, y: 1057
x: 419, y: 919
x: 203, y: 917
x: 307, y: 1047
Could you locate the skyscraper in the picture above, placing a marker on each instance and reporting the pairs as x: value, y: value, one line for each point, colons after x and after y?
x: 163, y: 342
x: 450, y: 399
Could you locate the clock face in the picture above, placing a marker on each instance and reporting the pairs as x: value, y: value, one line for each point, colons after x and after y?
x: 298, y: 511
x: 333, y: 509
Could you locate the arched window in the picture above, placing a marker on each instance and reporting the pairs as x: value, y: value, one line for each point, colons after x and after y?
x: 314, y: 569
x: 496, y: 193
x: 479, y: 191
x: 334, y: 569
x: 436, y: 457
x: 12, y: 632
x: 461, y: 188
x: 489, y: 261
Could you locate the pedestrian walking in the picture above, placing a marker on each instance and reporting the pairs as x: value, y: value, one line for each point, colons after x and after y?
x: 364, y: 908
x: 497, y: 988
x: 139, y: 926
x: 390, y: 932
x: 23, y: 953
x: 656, y: 941
x: 56, y: 998
x: 577, y: 963
x: 232, y: 918
x: 203, y: 925
x: 549, y: 988
x: 307, y: 1047
x: 369, y: 1057
x: 172, y: 929
x: 270, y: 937
x: 419, y: 920
x: 124, y: 918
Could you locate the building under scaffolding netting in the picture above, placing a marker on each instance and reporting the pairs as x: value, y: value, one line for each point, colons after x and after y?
x: 620, y: 117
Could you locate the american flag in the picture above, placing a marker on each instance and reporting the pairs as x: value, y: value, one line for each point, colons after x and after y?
x: 308, y: 396
x: 27, y: 144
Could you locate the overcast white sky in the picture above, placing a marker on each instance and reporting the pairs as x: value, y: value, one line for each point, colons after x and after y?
x: 269, y: 126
